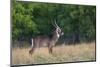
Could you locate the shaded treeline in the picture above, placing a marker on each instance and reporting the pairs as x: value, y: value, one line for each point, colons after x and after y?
x: 30, y: 19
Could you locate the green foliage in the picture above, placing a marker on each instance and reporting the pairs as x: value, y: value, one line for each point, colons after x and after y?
x: 30, y: 19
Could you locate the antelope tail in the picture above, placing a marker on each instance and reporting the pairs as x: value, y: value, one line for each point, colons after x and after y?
x: 32, y: 42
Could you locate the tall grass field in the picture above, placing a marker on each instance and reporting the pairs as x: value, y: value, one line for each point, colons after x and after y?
x: 67, y: 53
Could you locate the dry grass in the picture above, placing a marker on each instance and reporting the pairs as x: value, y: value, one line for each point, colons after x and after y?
x: 72, y: 53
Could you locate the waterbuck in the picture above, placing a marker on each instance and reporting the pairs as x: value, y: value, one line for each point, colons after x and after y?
x: 46, y: 40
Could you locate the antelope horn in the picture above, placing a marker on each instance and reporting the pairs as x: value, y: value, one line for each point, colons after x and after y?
x: 56, y: 24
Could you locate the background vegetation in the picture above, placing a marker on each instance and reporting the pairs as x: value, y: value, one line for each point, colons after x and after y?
x: 30, y: 19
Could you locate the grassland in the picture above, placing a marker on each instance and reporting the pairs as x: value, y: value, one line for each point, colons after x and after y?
x: 68, y: 53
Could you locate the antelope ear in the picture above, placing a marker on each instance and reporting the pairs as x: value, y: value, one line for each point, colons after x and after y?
x: 62, y: 33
